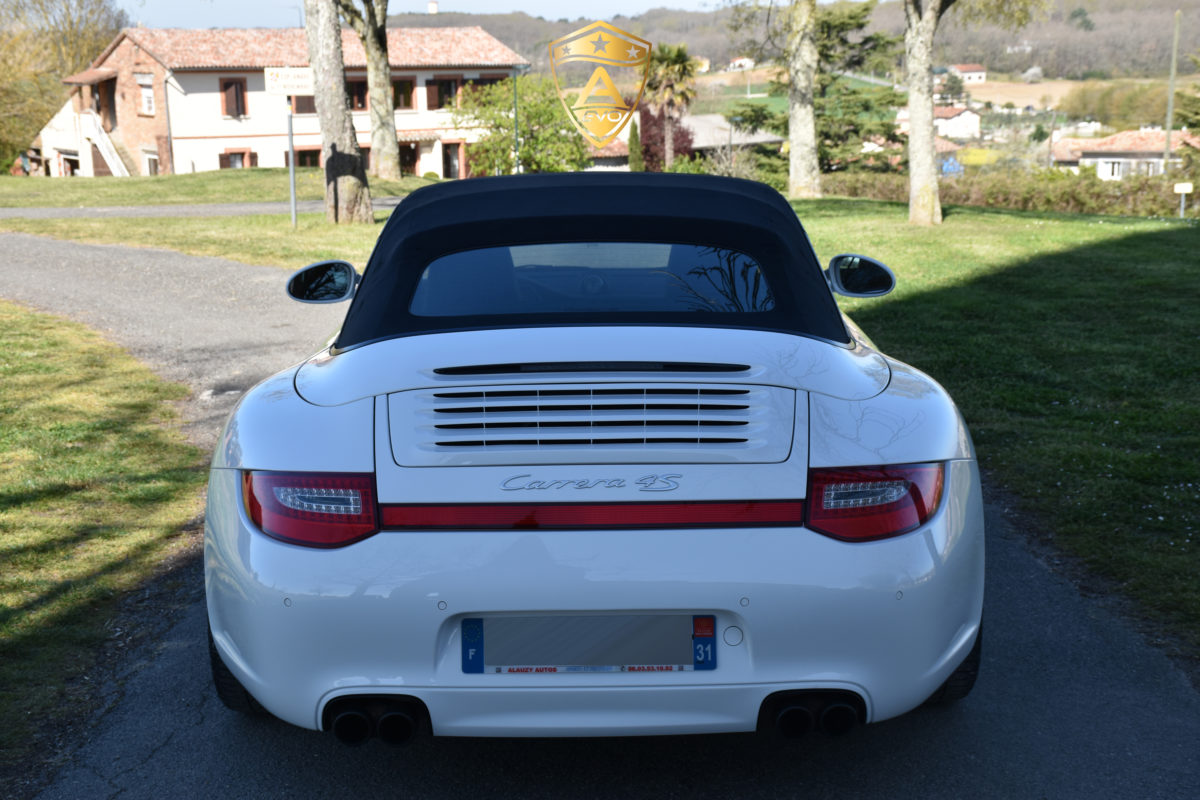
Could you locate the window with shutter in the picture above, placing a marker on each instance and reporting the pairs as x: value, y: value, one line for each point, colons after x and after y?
x: 356, y: 95
x: 233, y: 97
x: 402, y: 93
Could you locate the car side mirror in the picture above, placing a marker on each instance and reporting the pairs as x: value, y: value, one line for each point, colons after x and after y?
x: 859, y: 276
x: 323, y: 282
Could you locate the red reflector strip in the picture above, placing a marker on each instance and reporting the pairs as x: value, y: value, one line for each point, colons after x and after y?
x: 519, y: 516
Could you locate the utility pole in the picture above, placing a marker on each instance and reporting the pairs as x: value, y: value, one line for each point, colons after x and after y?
x: 1171, y: 96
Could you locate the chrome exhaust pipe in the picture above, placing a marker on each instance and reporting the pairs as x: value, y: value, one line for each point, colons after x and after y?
x: 352, y: 727
x: 838, y: 719
x: 794, y: 722
x: 395, y: 727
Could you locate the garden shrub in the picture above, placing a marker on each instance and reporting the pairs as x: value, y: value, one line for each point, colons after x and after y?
x: 1038, y: 190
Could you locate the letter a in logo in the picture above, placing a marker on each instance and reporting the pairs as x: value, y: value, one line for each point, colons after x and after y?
x: 600, y: 110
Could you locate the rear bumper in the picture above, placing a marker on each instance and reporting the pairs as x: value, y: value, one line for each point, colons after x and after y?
x: 887, y: 620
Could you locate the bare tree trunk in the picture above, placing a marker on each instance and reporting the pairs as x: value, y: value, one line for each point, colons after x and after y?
x: 921, y: 20
x: 347, y: 198
x: 668, y: 139
x: 804, y: 169
x: 370, y: 23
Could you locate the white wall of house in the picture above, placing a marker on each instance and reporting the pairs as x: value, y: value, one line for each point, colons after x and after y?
x: 61, y: 139
x: 962, y: 126
x: 1116, y: 167
x: 201, y: 133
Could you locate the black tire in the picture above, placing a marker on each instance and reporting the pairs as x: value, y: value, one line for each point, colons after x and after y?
x: 229, y: 690
x: 962, y: 680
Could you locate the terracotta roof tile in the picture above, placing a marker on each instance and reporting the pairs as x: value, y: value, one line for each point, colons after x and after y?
x: 1138, y: 142
x: 941, y: 145
x: 256, y: 48
x: 1067, y: 149
x: 969, y: 67
x: 614, y: 149
x: 89, y: 77
x: 948, y: 112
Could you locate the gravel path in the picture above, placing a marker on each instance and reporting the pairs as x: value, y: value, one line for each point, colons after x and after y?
x: 1071, y: 703
x: 218, y: 326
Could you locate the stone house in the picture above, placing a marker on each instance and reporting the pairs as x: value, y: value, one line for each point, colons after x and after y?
x: 971, y: 74
x: 160, y: 101
x: 950, y: 122
x: 1125, y: 153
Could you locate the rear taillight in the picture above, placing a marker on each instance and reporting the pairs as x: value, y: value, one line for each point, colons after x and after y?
x: 311, y: 509
x: 863, y: 503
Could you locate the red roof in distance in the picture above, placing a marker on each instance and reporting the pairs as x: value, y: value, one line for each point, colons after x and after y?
x: 258, y: 48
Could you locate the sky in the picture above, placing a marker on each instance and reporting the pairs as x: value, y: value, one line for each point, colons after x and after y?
x: 289, y: 13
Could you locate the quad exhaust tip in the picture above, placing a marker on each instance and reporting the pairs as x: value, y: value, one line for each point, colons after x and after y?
x: 392, y: 720
x: 793, y: 715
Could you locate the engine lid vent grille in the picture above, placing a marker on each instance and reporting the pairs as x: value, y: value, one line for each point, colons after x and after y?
x: 605, y: 423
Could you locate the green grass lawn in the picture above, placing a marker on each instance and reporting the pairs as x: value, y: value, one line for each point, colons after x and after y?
x: 217, y: 186
x: 97, y: 487
x: 1070, y: 343
x: 254, y: 239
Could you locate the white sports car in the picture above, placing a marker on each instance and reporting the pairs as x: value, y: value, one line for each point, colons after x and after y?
x: 593, y: 455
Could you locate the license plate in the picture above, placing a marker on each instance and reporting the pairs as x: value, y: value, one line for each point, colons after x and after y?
x: 589, y: 643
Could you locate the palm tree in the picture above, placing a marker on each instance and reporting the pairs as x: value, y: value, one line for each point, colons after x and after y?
x: 672, y: 89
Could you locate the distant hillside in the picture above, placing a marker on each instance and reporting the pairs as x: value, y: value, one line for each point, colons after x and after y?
x: 1081, y: 39
x: 705, y: 33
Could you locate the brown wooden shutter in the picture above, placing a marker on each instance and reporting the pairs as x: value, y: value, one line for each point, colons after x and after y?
x: 223, y: 159
x: 254, y: 159
x: 431, y: 94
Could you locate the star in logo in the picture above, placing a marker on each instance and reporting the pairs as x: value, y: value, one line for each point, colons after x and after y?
x: 633, y: 51
x: 599, y: 44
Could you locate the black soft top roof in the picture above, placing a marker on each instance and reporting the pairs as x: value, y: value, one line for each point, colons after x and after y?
x: 591, y: 207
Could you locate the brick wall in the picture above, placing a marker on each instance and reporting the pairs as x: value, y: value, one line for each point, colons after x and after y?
x: 134, y: 129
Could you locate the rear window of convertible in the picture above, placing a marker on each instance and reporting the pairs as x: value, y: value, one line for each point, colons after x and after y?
x: 591, y: 278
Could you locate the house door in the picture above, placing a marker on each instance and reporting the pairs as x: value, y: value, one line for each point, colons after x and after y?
x: 108, y: 104
x: 450, y: 159
x: 408, y: 158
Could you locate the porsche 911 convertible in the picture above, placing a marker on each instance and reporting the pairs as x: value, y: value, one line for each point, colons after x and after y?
x: 593, y: 455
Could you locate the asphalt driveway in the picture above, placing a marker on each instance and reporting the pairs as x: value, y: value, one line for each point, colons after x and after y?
x: 1072, y: 702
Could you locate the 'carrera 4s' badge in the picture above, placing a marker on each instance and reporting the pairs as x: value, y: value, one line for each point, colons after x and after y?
x: 600, y: 112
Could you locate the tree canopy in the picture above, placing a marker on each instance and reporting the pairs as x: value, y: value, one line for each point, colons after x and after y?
x: 42, y: 42
x: 670, y: 89
x: 847, y: 113
x: 548, y: 141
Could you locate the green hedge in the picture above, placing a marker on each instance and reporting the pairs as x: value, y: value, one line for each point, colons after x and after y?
x: 1042, y: 190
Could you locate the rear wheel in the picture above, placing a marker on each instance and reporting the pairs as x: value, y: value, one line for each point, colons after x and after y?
x: 231, y: 692
x: 962, y: 680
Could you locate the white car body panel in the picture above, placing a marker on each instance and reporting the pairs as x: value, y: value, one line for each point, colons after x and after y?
x: 272, y: 428
x: 913, y: 602
x: 888, y: 620
x: 852, y: 373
